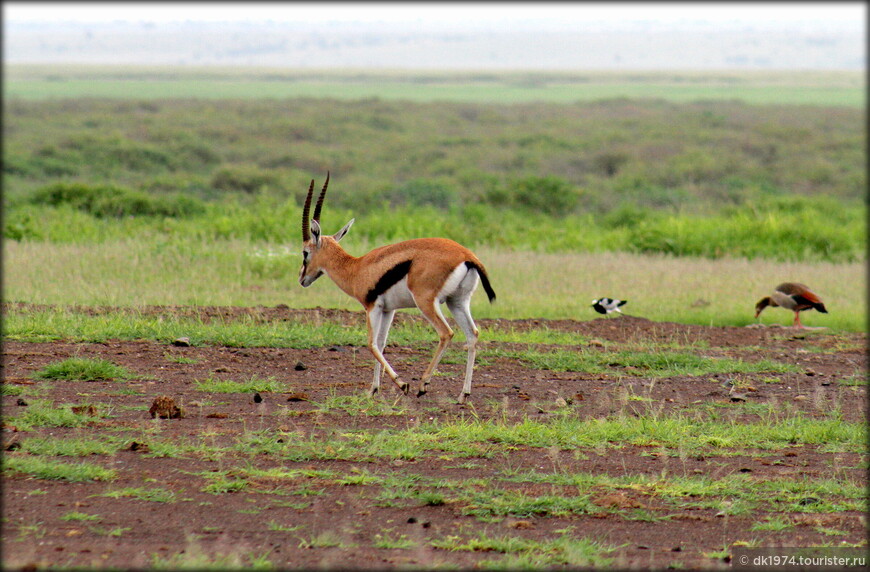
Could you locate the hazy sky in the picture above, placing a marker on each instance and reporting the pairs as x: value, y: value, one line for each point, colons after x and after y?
x: 510, y: 13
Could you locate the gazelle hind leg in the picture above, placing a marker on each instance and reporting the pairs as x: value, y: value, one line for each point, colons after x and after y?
x: 433, y: 313
x: 460, y: 308
x: 379, y: 326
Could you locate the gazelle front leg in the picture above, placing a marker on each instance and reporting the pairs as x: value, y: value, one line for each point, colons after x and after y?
x: 383, y: 329
x: 378, y: 323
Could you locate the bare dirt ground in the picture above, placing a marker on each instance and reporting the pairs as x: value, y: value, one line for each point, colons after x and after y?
x: 338, y: 525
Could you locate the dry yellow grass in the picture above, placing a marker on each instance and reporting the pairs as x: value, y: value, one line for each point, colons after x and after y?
x: 701, y: 291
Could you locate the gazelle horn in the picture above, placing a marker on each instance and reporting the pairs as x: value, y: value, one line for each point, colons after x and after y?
x: 319, y: 204
x: 306, y: 232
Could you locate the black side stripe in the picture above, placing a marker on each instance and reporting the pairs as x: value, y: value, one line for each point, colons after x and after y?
x: 388, y: 280
x: 484, y: 279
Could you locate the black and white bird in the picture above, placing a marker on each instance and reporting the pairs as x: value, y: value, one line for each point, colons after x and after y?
x: 607, y: 305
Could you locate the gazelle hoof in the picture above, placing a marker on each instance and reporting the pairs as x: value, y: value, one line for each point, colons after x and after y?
x: 373, y: 391
x: 421, y: 392
x: 405, y: 387
x: 461, y: 399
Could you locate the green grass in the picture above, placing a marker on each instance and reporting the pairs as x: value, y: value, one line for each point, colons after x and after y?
x: 650, y: 364
x: 253, y: 385
x: 194, y: 558
x: 671, y: 431
x: 677, y: 434
x: 83, y: 369
x: 522, y: 553
x: 7, y: 389
x: 49, y: 469
x: 389, y: 540
x: 66, y: 323
x: 73, y: 447
x: 45, y: 414
x: 76, y: 516
x: 326, y: 539
x: 359, y: 405
x: 815, y: 229
x: 160, y: 495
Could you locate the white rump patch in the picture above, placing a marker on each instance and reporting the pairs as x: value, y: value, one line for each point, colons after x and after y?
x: 462, y: 282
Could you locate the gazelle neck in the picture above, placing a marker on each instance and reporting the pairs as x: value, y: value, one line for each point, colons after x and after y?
x: 339, y: 265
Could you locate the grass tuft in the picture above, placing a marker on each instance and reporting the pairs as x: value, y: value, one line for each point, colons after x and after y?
x: 83, y: 369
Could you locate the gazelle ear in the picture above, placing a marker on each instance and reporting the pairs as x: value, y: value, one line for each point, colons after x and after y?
x: 315, y: 232
x: 340, y: 234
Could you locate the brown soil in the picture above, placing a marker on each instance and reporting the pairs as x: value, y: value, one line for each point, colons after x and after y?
x: 198, y: 522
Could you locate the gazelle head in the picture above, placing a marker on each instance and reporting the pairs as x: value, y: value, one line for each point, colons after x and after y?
x: 317, y: 250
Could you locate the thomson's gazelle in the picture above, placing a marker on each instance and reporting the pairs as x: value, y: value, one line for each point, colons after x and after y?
x: 423, y: 272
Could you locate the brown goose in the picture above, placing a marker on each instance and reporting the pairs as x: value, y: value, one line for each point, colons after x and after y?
x: 792, y: 296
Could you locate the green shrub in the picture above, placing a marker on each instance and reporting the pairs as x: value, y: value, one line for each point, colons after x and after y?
x: 244, y: 178
x: 105, y: 201
x: 21, y: 225
x: 420, y: 192
x: 549, y: 195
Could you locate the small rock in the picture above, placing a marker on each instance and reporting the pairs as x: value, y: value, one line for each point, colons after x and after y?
x: 13, y: 446
x: 164, y: 407
x: 560, y: 402
x: 596, y: 343
x: 222, y: 369
x: 21, y: 403
x: 216, y: 416
x: 282, y: 307
x: 181, y: 342
x: 800, y: 397
x: 88, y: 410
x: 412, y: 520
x: 809, y: 372
x: 300, y: 366
x: 297, y: 397
x: 136, y: 446
x: 258, y: 398
x: 737, y: 397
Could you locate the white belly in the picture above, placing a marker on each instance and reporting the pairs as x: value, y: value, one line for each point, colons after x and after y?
x: 398, y: 296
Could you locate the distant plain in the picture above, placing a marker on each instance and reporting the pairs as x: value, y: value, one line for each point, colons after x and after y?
x: 827, y: 88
